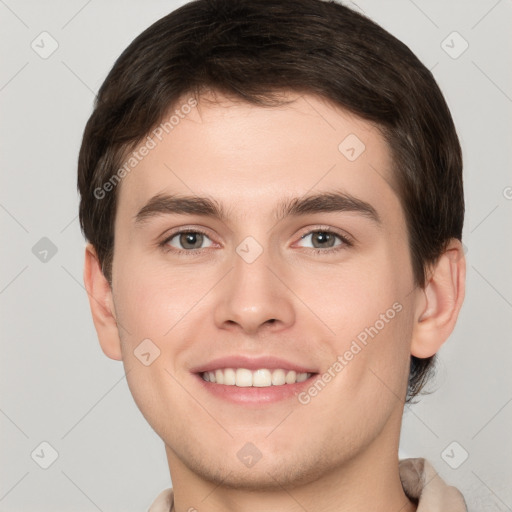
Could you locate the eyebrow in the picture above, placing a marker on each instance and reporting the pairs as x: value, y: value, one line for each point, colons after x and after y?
x: 165, y: 204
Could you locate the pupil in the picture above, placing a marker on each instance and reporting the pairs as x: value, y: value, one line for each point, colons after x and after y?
x: 195, y: 239
x: 192, y: 239
x: 323, y: 237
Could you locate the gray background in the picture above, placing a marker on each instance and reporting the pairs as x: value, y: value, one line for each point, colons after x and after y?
x: 56, y: 384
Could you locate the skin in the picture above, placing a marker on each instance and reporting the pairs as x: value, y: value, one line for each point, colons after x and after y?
x: 339, y: 452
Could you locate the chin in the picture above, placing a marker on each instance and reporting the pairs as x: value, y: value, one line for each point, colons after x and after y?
x: 270, y: 473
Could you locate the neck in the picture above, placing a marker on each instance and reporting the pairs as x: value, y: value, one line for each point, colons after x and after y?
x: 368, y: 481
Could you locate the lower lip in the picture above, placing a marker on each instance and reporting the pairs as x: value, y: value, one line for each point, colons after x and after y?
x: 255, y: 395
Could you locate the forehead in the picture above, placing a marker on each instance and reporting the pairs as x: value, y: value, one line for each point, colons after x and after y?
x: 246, y: 156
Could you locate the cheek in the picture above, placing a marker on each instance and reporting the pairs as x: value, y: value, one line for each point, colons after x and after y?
x: 153, y: 301
x: 156, y: 306
x: 351, y: 298
x: 376, y: 359
x: 368, y: 311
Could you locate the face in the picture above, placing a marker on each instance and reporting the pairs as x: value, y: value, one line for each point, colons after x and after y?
x: 262, y: 255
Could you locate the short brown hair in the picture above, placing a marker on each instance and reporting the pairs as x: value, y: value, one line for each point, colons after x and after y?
x: 255, y: 49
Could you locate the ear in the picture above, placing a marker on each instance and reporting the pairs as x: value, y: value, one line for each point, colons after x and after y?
x: 440, y: 302
x: 102, y: 305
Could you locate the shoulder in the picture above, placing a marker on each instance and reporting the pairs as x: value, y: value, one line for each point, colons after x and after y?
x: 422, y: 482
x: 163, y: 502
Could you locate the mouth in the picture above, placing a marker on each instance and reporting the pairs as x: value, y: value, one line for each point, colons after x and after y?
x: 253, y: 381
x: 261, y: 378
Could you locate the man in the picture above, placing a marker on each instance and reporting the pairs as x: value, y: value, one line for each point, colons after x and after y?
x: 272, y: 195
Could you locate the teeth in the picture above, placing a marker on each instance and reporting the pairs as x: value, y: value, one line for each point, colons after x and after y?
x: 243, y: 378
x: 278, y: 377
x: 301, y: 377
x: 229, y: 377
x: 262, y: 378
x: 291, y: 377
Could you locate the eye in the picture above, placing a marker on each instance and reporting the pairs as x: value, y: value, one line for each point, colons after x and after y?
x: 326, y: 239
x: 187, y: 240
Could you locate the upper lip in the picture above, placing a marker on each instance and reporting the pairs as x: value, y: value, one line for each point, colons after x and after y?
x: 251, y: 363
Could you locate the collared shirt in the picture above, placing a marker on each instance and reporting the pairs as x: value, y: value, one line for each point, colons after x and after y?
x: 420, y: 482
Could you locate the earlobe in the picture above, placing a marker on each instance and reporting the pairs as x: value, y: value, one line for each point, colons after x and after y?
x: 440, y: 303
x: 103, y: 313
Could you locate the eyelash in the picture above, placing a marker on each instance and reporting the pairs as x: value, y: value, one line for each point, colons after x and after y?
x: 346, y: 242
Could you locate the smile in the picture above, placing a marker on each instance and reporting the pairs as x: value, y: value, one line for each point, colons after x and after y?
x: 261, y: 378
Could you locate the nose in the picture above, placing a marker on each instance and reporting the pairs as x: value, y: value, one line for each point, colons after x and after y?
x: 252, y: 297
